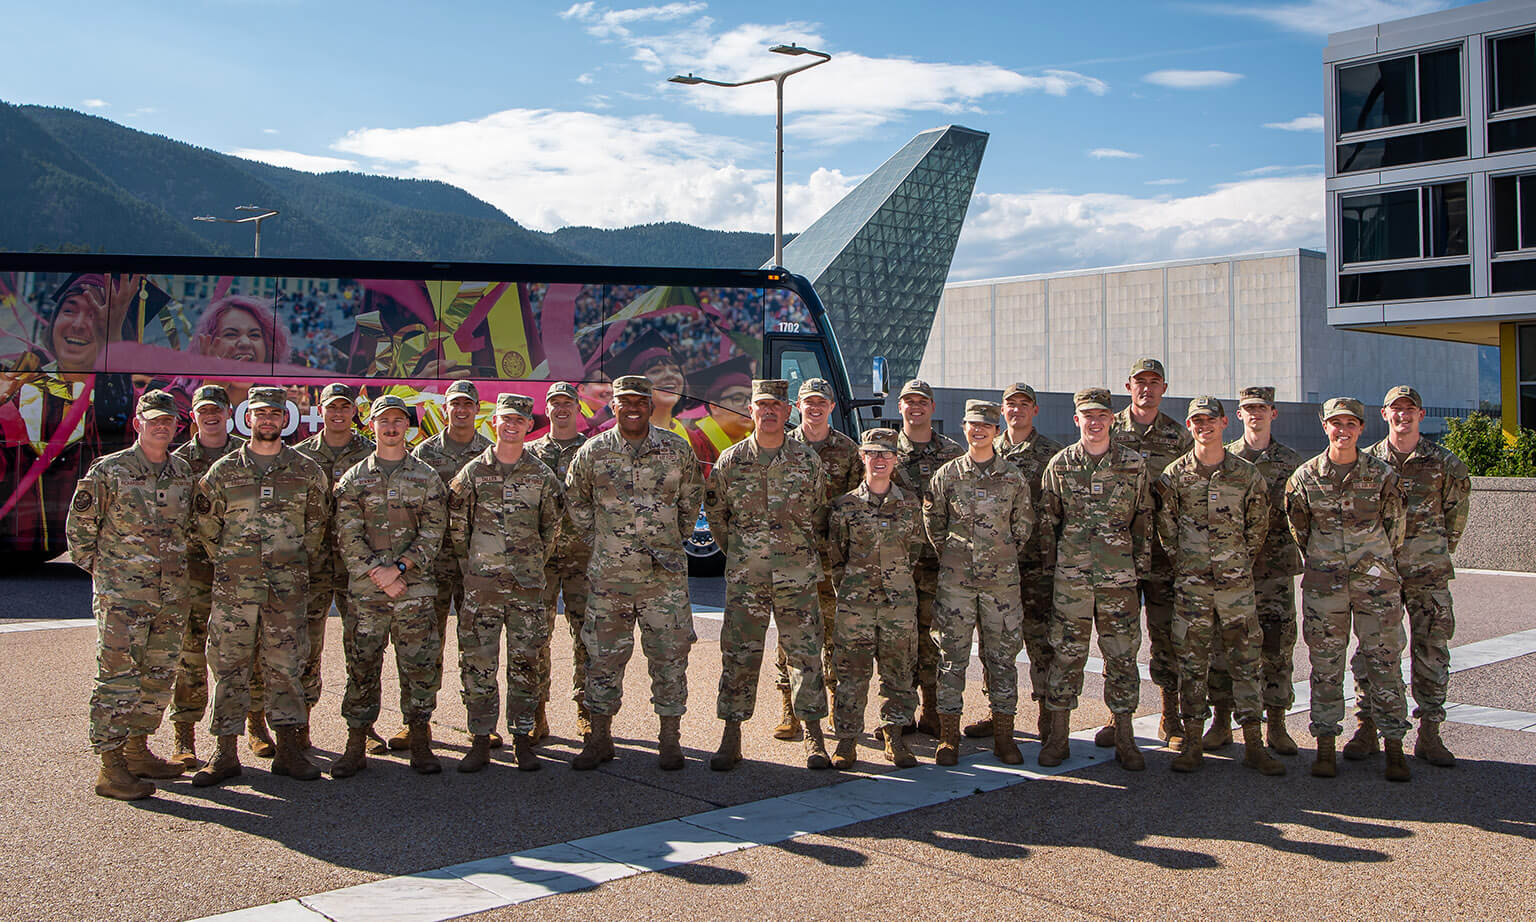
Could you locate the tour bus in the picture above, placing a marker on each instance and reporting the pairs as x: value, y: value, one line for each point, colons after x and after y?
x: 82, y: 335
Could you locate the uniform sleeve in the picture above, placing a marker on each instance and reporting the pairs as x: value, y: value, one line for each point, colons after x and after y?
x: 317, y: 517
x: 1167, y: 515
x: 1298, y: 514
x: 211, y: 507
x: 837, y: 544
x: 578, y: 492
x: 717, y: 505
x: 1050, y: 517
x: 82, y: 527
x: 1022, y: 521
x: 1394, y: 514
x: 1142, y: 522
x: 461, y: 512
x: 431, y: 526
x: 1457, y: 501
x: 1255, y: 515
x: 551, y: 513
x: 690, y: 497
x: 351, y: 534
x: 936, y: 511
x: 823, y: 489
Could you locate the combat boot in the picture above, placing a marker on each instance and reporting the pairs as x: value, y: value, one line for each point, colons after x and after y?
x: 225, y: 763
x: 1279, y: 738
x: 523, y: 752
x: 478, y: 756
x: 117, y: 782
x: 303, y: 742
x: 144, y: 763
x: 1043, y: 722
x: 423, y: 762
x: 669, y: 748
x: 1430, y: 747
x: 583, y: 720
x: 1397, y: 765
x: 928, y: 716
x: 186, y: 745
x: 981, y: 729
x: 401, y: 740
x: 729, y: 753
x: 597, y: 748
x: 377, y: 745
x: 1326, y: 765
x: 1191, y: 749
x: 1220, y: 733
x: 815, y: 746
x: 948, y: 752
x: 540, y: 723
x: 896, y: 751
x: 290, y: 759
x: 1003, y: 746
x: 1254, y: 754
x: 846, y: 755
x: 355, y: 758
x: 1172, y: 725
x: 1363, y: 743
x: 1057, y: 744
x: 1105, y: 737
x: 789, y: 724
x: 496, y: 741
x: 261, y: 743
x: 1126, y: 753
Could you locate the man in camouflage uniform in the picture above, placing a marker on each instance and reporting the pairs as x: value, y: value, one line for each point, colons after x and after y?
x: 1274, y: 583
x: 979, y: 515
x: 262, y: 512
x: 391, y: 515
x: 636, y: 490
x: 767, y: 508
x: 1437, y: 492
x: 128, y: 527
x: 448, y: 452
x: 1097, y: 538
x: 920, y: 451
x: 504, y: 512
x: 1158, y: 438
x: 1345, y: 509
x: 1212, y: 515
x: 211, y: 441
x: 1028, y: 449
x: 839, y: 456
x: 875, y: 532
x: 565, y: 576
x: 335, y: 448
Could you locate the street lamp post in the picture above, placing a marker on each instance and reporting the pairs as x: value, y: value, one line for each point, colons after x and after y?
x: 778, y: 134
x: 256, y: 218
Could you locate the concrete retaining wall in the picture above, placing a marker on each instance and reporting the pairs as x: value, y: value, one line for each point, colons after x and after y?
x: 1501, y: 530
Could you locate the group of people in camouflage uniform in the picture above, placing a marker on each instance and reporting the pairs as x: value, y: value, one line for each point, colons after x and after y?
x: 898, y: 549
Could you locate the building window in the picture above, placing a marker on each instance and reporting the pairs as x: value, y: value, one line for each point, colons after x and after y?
x: 1427, y: 222
x: 1409, y: 90
x: 1512, y: 67
x: 1514, y: 213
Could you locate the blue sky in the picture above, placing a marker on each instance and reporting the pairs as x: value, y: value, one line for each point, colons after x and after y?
x: 1120, y: 131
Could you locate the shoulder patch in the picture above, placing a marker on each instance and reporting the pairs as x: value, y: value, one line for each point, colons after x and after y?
x: 710, y: 497
x: 83, y: 500
x: 203, y: 504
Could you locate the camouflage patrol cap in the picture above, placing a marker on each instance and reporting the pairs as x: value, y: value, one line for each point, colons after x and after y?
x: 770, y: 389
x: 983, y: 411
x: 155, y: 404
x: 337, y: 391
x: 633, y: 385
x: 1399, y: 392
x: 274, y: 397
x: 388, y: 402
x: 1205, y: 406
x: 462, y: 389
x: 1020, y: 388
x: 1145, y: 364
x: 210, y: 394
x: 878, y: 440
x: 561, y: 389
x: 916, y: 386
x: 514, y: 404
x: 1343, y: 406
x: 1254, y: 394
x: 816, y: 387
x: 1091, y: 398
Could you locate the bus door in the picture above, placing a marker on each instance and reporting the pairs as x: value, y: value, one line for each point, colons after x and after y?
x: 798, y: 359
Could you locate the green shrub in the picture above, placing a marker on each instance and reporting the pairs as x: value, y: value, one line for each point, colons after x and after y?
x: 1479, y: 441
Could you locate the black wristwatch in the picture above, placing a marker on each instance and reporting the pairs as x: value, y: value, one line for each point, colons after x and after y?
x: 400, y: 565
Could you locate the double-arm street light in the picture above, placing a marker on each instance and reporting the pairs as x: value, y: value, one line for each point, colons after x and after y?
x: 257, y: 218
x: 778, y: 154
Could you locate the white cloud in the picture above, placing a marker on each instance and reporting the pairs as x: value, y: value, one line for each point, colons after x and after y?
x: 269, y: 131
x: 1192, y: 79
x: 1279, y: 170
x: 1165, y: 182
x: 586, y: 79
x: 1112, y: 153
x: 95, y: 103
x: 599, y: 101
x: 142, y: 110
x: 1309, y: 122
x: 293, y: 160
x: 609, y: 23
x: 1320, y: 17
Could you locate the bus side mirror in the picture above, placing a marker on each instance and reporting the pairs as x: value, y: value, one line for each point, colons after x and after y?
x: 881, y: 375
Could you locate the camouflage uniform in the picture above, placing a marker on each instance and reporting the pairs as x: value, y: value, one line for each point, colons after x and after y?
x: 503, y: 520
x: 1097, y: 536
x: 769, y: 515
x: 265, y: 532
x: 128, y: 526
x: 1213, y: 523
x: 639, y: 503
x: 382, y: 518
x: 1035, y: 577
x: 915, y: 467
x: 979, y: 519
x: 448, y: 457
x: 565, y: 576
x: 1350, y: 534
x: 1437, y: 493
x: 872, y: 541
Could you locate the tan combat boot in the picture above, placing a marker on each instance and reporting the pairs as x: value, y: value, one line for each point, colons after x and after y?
x: 496, y: 741
x: 928, y: 715
x: 117, y: 782
x: 355, y: 758
x: 186, y: 745
x: 1105, y: 737
x: 423, y: 761
x: 540, y: 723
x: 789, y: 724
x: 896, y: 751
x: 401, y: 741
x: 948, y: 752
x: 669, y: 744
x: 815, y: 746
x: 1058, y: 743
x: 526, y: 756
x: 1397, y: 765
x: 478, y: 756
x: 377, y: 745
x: 1126, y: 753
x: 224, y: 765
x: 1220, y: 733
x: 1326, y: 765
x: 290, y: 759
x: 260, y: 737
x: 1430, y: 747
x: 846, y: 755
x: 1191, y: 749
x: 1171, y: 726
x: 729, y: 753
x: 981, y: 729
x: 1003, y: 746
x: 597, y: 748
x: 1279, y: 738
x: 144, y: 763
x: 1363, y: 743
x: 583, y: 720
x: 1254, y: 754
x: 1042, y: 722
